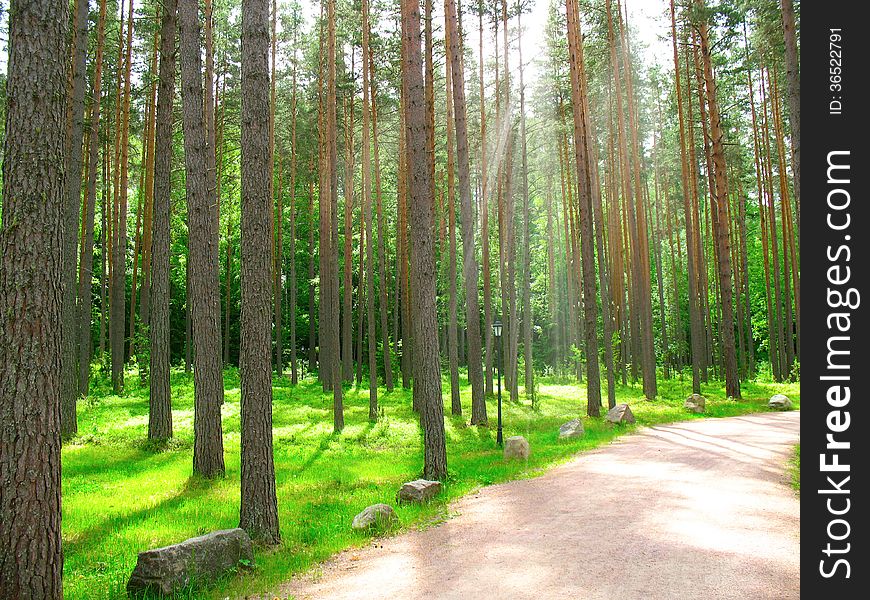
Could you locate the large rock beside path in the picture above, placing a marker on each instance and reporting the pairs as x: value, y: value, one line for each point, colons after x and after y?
x: 621, y: 413
x: 779, y: 402
x: 376, y: 516
x: 571, y: 429
x: 419, y: 490
x: 516, y: 447
x: 199, y: 560
x: 695, y: 403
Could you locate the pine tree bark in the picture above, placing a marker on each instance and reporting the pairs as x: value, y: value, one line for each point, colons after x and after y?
x: 32, y: 266
x: 332, y: 180
x: 694, y: 317
x: 528, y: 358
x: 732, y: 383
x: 427, y: 372
x: 347, y: 311
x: 294, y: 367
x: 452, y: 328
x: 484, y: 226
x: 793, y: 81
x: 587, y: 237
x: 119, y: 247
x: 466, y: 218
x: 259, y: 503
x: 369, y: 227
x: 160, y: 396
x: 204, y: 285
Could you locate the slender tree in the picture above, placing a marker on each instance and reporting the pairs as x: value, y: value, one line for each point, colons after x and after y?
x: 587, y: 237
x: 86, y: 260
x: 469, y: 259
x: 203, y: 292
x: 160, y: 408
x: 76, y: 112
x: 427, y: 372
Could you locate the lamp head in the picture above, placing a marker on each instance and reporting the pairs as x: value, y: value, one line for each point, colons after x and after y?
x: 496, y: 328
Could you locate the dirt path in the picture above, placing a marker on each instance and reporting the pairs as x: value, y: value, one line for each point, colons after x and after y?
x: 698, y: 510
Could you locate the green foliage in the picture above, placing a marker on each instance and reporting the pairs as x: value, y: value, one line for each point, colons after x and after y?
x: 795, y: 469
x: 123, y: 495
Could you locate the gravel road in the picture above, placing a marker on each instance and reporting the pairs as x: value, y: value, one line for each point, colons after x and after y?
x: 695, y: 510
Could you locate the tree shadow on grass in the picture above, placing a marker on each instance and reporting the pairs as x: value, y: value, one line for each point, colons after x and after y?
x: 130, y: 462
x: 92, y: 538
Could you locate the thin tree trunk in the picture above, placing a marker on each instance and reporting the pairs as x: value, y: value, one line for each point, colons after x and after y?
x: 204, y: 282
x: 694, y: 317
x: 369, y: 226
x: 69, y: 390
x: 382, y: 232
x: 160, y: 401
x: 732, y: 382
x: 86, y: 260
x: 587, y: 237
x: 527, y: 260
x: 294, y: 368
x: 452, y: 329
x: 793, y: 81
x: 427, y: 372
x: 347, y: 312
x: 117, y: 322
x: 335, y: 367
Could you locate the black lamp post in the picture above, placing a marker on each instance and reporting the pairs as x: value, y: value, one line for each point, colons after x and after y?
x: 496, y: 331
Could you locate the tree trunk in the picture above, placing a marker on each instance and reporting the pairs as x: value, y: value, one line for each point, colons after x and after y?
x: 793, y: 81
x: 452, y: 329
x: 118, y: 321
x: 259, y: 503
x: 32, y: 237
x: 466, y: 216
x: 294, y: 367
x: 369, y: 227
x: 427, y: 372
x: 347, y: 312
x: 732, y: 383
x: 694, y: 317
x: 484, y: 228
x: 203, y: 257
x: 335, y: 367
x: 69, y: 390
x: 86, y: 261
x: 587, y: 237
x: 527, y: 261
x: 160, y: 407
x: 382, y: 233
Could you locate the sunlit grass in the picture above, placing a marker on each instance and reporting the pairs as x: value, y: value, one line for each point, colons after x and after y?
x: 121, y: 495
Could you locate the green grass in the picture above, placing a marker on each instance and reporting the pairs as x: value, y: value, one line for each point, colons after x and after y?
x: 795, y: 469
x: 122, y: 496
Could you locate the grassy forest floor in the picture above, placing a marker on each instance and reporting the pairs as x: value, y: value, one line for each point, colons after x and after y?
x: 122, y: 495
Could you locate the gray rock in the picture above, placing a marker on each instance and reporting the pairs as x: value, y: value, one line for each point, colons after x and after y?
x: 516, y: 447
x: 200, y: 560
x: 419, y: 490
x: 779, y: 402
x: 695, y: 403
x: 571, y: 429
x: 377, y: 516
x: 620, y: 413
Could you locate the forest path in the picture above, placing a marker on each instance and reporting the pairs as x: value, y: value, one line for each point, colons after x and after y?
x: 698, y: 509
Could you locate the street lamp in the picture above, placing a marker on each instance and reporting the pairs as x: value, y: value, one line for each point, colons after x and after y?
x: 496, y: 331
